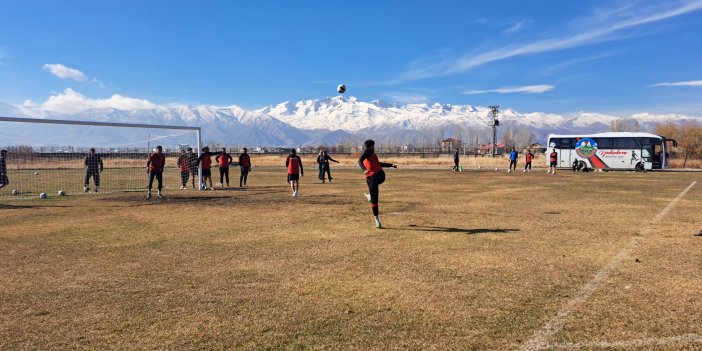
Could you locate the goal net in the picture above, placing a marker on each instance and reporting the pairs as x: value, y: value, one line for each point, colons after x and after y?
x: 54, y: 156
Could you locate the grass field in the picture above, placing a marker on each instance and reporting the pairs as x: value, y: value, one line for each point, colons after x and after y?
x: 468, y: 261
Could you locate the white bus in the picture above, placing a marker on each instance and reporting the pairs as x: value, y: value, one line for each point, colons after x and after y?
x: 610, y: 151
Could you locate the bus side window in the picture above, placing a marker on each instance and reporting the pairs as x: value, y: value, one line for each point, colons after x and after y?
x: 604, y: 143
x: 564, y: 143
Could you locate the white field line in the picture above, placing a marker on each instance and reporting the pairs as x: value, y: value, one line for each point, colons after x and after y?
x: 540, y: 338
x: 639, y: 343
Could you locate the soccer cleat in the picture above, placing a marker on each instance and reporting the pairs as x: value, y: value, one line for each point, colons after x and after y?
x: 377, y: 224
x: 148, y: 195
x: 525, y: 171
x: 368, y: 197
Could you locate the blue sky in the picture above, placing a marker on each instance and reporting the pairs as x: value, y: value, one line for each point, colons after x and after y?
x: 550, y: 56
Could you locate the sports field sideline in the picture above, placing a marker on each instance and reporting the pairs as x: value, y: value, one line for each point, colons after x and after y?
x: 472, y: 260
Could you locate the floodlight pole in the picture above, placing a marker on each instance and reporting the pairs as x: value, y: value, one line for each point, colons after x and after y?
x: 494, y: 111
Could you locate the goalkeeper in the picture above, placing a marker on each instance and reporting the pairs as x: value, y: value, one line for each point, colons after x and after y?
x: 93, y: 167
x: 4, y: 181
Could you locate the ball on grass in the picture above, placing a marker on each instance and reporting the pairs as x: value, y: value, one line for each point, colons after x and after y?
x: 43, y: 196
x: 61, y: 193
x: 36, y: 173
x: 15, y: 192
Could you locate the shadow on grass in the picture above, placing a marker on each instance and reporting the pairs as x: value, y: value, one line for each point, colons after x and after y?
x: 17, y: 207
x: 471, y: 231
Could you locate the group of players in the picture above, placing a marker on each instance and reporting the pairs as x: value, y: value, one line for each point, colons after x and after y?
x: 513, y: 155
x: 190, y: 165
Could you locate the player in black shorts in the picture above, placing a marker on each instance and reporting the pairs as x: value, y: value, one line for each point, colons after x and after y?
x: 553, y: 161
x: 93, y: 168
x: 193, y: 165
x: 4, y: 180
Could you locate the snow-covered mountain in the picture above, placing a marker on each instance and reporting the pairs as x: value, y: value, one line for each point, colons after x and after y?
x: 312, y: 122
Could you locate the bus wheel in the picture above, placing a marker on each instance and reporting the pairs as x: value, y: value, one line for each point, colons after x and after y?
x: 583, y: 167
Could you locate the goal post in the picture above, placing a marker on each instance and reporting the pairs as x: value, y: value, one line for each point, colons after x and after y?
x: 49, y: 155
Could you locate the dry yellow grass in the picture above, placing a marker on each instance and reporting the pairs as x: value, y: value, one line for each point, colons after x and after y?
x: 474, y: 260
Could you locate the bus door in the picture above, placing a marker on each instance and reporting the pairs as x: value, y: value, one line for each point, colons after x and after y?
x: 565, y: 146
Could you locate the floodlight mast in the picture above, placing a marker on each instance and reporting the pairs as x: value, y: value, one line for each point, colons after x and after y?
x: 494, y: 111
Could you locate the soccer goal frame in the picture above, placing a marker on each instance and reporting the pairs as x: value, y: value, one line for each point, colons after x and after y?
x: 198, y: 130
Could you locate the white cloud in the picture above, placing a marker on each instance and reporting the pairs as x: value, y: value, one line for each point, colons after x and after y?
x: 515, y: 28
x: 62, y: 71
x: 70, y: 101
x: 528, y: 89
x: 691, y: 83
x: 601, y: 27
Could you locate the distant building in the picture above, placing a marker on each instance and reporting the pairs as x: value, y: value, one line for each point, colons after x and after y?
x: 535, y: 148
x: 450, y: 144
x: 486, y: 149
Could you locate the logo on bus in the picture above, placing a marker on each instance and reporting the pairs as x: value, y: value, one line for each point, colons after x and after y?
x: 586, y: 148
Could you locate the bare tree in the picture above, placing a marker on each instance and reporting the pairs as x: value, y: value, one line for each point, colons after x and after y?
x: 624, y: 125
x: 523, y: 137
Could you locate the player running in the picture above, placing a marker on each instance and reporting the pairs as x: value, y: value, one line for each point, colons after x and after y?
x: 529, y: 156
x: 4, y: 180
x: 93, y: 167
x: 455, y: 161
x: 224, y: 159
x: 184, y: 167
x: 553, y: 161
x: 245, y: 166
x: 155, y: 165
x: 513, y: 160
x: 373, y: 170
x: 323, y: 161
x: 193, y: 165
x: 295, y: 171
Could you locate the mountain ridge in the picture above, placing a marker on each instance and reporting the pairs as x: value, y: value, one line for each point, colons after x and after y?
x: 330, y: 121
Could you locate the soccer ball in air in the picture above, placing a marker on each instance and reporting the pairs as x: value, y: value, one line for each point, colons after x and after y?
x: 61, y: 193
x: 15, y: 192
x: 341, y: 89
x: 43, y: 196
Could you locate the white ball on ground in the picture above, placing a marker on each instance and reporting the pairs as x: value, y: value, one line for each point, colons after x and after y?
x: 43, y: 196
x: 15, y: 192
x: 61, y: 193
x: 36, y: 173
x: 496, y: 169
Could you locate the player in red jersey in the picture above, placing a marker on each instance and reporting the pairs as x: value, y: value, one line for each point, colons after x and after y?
x: 529, y: 156
x: 155, y: 166
x: 184, y: 167
x: 205, y: 162
x: 373, y: 170
x: 553, y: 161
x: 245, y: 166
x: 295, y: 171
x: 224, y: 159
